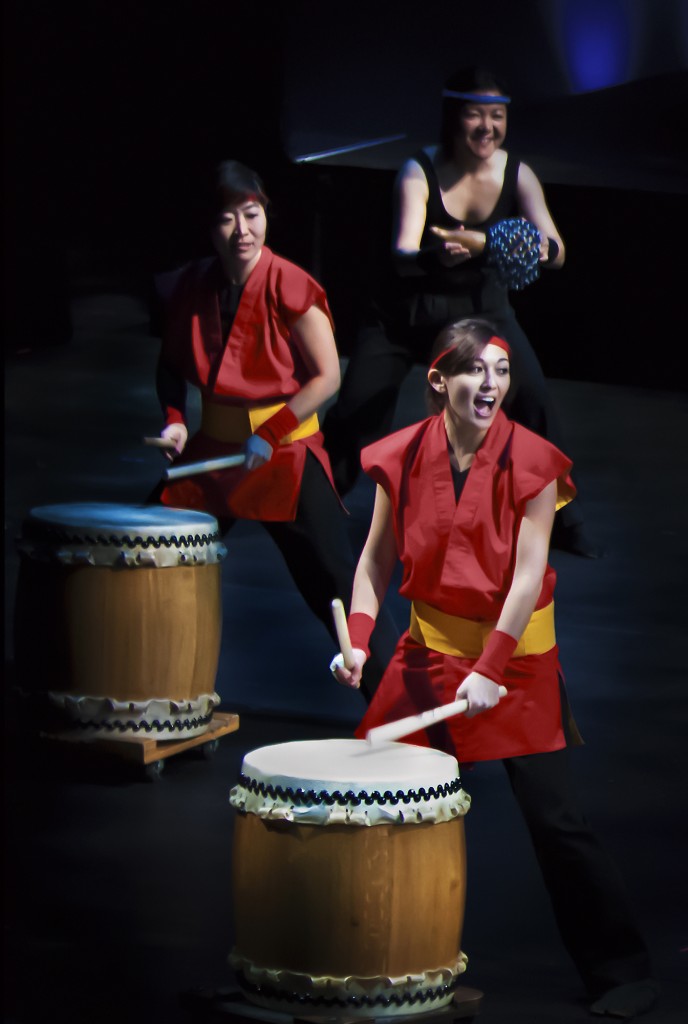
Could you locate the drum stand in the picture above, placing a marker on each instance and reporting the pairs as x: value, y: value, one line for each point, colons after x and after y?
x: 147, y: 751
x: 228, y: 1004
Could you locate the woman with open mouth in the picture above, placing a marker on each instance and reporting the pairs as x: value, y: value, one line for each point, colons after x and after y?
x: 465, y: 500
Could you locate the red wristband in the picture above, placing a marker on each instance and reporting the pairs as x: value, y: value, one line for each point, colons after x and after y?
x: 278, y: 426
x: 173, y: 415
x: 360, y: 628
x: 494, y: 659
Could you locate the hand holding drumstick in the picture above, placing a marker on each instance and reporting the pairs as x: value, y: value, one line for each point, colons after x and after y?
x: 172, y: 440
x: 347, y: 666
x: 459, y: 244
x: 414, y: 723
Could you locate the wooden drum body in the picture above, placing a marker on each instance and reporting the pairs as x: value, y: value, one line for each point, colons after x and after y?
x: 349, y: 878
x: 118, y: 616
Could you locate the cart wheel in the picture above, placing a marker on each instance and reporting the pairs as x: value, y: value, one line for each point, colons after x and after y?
x: 153, y: 770
x: 209, y: 749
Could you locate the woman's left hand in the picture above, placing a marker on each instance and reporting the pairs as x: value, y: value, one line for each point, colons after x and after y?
x: 480, y: 692
x: 257, y: 452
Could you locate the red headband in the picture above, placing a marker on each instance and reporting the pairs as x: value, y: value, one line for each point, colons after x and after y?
x: 494, y: 340
x: 231, y: 197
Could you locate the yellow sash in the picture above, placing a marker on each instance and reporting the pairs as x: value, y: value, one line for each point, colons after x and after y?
x: 465, y: 638
x: 235, y: 424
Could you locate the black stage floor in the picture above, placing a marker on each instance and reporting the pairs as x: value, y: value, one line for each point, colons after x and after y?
x: 118, y: 896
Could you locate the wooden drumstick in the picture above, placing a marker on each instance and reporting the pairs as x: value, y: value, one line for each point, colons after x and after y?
x: 474, y: 241
x: 406, y: 726
x: 193, y: 468
x: 160, y: 442
x: 343, y: 637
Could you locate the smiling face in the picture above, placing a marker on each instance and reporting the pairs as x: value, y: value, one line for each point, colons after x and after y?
x: 481, y: 127
x: 474, y: 396
x: 239, y: 235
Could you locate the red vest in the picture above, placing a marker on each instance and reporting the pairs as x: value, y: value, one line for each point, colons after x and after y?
x: 258, y: 365
x: 460, y: 559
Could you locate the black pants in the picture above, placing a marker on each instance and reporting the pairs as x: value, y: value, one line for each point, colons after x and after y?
x: 588, y: 896
x: 381, y: 361
x: 318, y: 552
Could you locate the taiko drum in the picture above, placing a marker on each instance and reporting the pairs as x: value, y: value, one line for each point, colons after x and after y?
x: 349, y: 878
x: 118, y: 616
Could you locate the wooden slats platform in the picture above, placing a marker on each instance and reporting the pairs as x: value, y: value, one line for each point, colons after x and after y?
x: 148, y: 751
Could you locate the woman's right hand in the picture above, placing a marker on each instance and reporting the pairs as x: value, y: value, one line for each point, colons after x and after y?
x: 458, y: 244
x: 178, y: 433
x: 345, y: 676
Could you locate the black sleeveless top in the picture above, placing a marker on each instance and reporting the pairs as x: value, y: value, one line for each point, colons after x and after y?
x: 471, y: 288
x: 506, y: 205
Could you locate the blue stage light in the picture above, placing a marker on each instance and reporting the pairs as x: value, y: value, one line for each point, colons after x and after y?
x: 597, y: 37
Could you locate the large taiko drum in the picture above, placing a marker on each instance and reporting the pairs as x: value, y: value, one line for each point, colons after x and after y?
x: 349, y: 878
x: 118, y: 617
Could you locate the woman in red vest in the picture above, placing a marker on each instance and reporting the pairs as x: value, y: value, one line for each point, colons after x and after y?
x: 466, y: 500
x: 253, y: 332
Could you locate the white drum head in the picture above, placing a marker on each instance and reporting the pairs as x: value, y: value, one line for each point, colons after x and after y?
x: 348, y: 781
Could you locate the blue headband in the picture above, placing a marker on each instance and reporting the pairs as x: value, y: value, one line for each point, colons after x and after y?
x: 476, y: 97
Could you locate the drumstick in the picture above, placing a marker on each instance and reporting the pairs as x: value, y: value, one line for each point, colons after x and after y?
x: 193, y: 468
x: 343, y: 633
x: 406, y: 726
x: 160, y: 442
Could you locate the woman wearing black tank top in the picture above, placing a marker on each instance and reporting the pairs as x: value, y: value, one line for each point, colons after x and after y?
x: 446, y: 198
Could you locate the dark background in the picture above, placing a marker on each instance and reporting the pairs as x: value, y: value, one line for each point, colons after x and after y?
x: 113, y: 113
x: 117, y: 893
